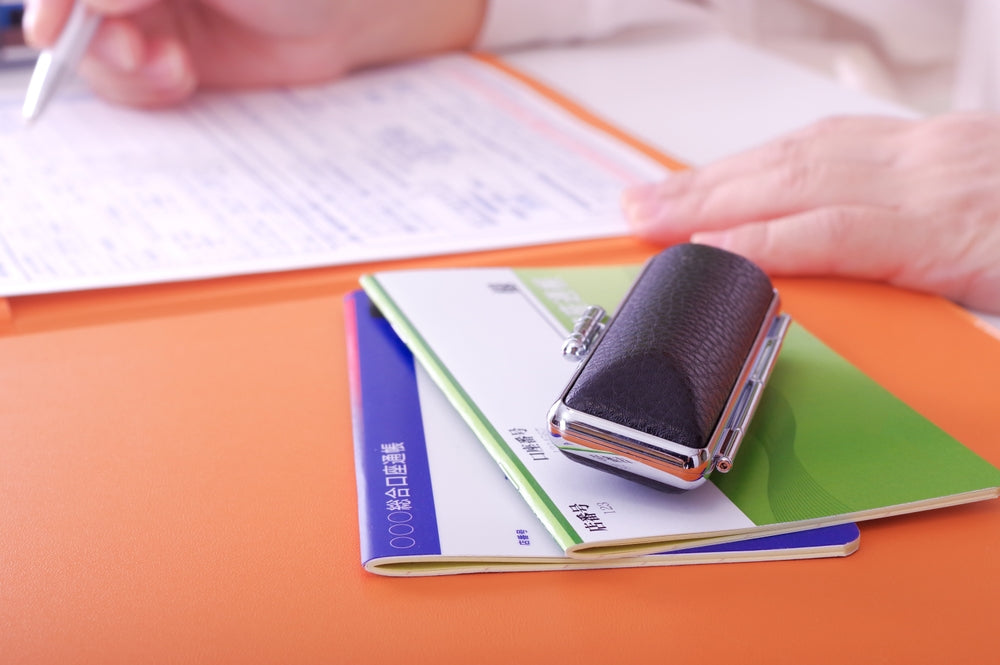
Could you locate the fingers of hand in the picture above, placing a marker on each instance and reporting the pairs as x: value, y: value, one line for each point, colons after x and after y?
x: 43, y: 20
x: 130, y: 70
x: 837, y: 161
x: 839, y: 139
x: 122, y: 64
x: 670, y: 212
x: 861, y: 242
x: 119, y: 45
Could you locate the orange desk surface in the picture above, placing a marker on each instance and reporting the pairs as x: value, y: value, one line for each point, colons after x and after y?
x: 177, y: 485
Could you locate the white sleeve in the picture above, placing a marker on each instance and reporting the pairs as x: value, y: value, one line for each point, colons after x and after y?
x: 510, y: 23
x: 977, y: 79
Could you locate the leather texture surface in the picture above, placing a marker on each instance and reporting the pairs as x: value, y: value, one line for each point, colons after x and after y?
x: 675, y: 348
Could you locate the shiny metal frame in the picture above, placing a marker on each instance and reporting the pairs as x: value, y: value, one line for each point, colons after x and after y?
x: 625, y: 450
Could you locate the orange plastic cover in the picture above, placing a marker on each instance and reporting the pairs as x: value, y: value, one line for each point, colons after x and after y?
x: 177, y: 485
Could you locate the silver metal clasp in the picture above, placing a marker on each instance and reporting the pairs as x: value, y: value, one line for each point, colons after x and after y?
x: 586, y: 331
x: 761, y: 365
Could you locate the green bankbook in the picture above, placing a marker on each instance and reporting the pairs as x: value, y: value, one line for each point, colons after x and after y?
x: 828, y: 444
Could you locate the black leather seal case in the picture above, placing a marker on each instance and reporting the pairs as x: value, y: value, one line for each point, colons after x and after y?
x: 669, y: 386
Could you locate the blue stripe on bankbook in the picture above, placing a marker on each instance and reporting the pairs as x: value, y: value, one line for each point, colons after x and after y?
x: 399, y: 501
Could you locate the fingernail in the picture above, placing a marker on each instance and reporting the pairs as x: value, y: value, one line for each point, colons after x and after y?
x: 642, y: 204
x: 167, y: 68
x: 119, y: 50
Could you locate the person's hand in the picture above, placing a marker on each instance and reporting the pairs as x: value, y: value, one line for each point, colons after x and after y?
x: 913, y: 203
x: 157, y: 52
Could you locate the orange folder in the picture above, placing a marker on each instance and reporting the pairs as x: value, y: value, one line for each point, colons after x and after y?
x: 177, y: 485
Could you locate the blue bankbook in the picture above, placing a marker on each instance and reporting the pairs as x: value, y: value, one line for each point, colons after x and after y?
x: 431, y: 500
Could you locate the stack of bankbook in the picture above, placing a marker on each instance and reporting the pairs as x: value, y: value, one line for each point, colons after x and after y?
x: 453, y: 372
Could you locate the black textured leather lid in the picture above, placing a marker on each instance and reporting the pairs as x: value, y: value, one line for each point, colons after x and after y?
x: 675, y: 348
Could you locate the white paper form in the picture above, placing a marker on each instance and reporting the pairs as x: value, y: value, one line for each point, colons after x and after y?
x: 444, y: 155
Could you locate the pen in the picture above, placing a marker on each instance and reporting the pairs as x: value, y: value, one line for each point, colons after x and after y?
x: 53, y: 63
